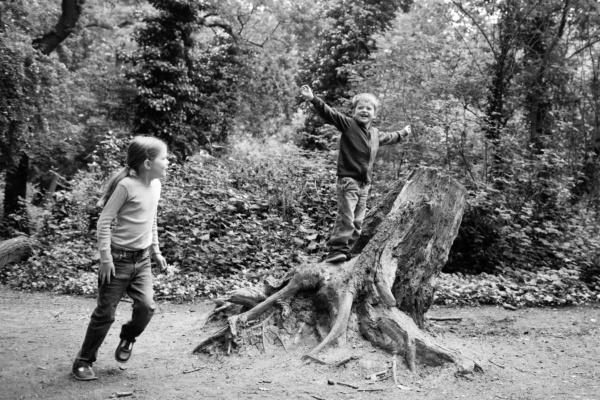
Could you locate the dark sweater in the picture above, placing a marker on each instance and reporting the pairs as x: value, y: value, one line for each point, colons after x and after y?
x: 358, y: 145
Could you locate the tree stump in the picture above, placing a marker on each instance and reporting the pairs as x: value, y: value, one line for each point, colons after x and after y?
x: 382, y: 293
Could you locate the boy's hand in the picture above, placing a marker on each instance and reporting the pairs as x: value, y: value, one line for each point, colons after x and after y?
x: 105, y: 271
x: 408, y: 130
x: 160, y: 261
x: 306, y: 93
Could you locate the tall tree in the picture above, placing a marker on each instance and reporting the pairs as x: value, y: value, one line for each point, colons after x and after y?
x: 501, y: 38
x: 585, y: 49
x: 184, y: 86
x: 27, y: 80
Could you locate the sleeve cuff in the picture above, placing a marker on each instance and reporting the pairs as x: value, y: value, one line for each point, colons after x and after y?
x: 105, y: 256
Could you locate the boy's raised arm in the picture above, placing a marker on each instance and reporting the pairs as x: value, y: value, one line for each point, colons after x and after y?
x: 330, y: 115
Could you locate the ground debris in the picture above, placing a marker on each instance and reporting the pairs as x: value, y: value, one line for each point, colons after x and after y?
x: 330, y: 382
x: 496, y: 364
x: 458, y: 319
x: 346, y: 361
x: 379, y: 376
x: 121, y: 394
x: 192, y: 370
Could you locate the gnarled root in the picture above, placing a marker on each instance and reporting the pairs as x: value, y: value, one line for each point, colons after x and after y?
x: 304, y: 278
x: 339, y: 325
x: 390, y: 328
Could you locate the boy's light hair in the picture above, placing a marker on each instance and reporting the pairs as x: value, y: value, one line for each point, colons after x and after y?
x: 367, y: 97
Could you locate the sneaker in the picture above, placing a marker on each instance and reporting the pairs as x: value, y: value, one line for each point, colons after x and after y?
x: 83, y: 372
x: 123, y: 351
x: 336, y: 257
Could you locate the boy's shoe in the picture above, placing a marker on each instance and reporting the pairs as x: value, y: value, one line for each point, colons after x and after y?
x: 123, y: 351
x: 336, y: 257
x: 83, y: 372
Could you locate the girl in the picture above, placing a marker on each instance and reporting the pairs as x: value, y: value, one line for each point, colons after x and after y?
x: 131, y: 198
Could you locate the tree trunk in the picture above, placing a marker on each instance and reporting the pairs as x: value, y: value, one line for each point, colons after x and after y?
x: 15, y: 249
x: 15, y: 192
x: 382, y: 294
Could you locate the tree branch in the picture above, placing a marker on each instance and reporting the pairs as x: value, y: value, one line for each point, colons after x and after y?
x: 587, y: 45
x: 460, y: 7
x: 71, y: 10
x: 561, y: 29
x: 218, y: 23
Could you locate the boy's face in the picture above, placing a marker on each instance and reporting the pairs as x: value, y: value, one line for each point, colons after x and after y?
x: 364, y: 112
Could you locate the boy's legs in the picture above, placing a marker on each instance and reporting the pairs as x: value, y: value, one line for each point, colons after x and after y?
x: 141, y: 292
x: 359, y: 212
x: 348, y: 197
x: 109, y: 295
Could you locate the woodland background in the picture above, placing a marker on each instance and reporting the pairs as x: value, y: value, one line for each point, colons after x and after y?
x: 502, y: 95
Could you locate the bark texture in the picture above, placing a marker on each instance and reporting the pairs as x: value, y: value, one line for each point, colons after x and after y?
x: 15, y: 249
x: 380, y: 295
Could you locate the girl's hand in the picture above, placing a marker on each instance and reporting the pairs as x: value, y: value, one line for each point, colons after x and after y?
x: 160, y: 261
x: 105, y: 271
x: 306, y: 93
x: 408, y: 130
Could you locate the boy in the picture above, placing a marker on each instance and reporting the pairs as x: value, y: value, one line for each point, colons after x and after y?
x: 359, y: 143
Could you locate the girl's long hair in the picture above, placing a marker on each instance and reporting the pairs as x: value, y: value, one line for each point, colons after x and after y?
x: 141, y: 148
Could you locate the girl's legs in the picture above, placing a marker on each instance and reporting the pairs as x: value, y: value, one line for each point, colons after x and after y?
x: 142, y: 293
x: 109, y: 295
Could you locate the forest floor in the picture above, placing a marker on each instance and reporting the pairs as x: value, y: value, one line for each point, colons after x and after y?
x: 531, y: 353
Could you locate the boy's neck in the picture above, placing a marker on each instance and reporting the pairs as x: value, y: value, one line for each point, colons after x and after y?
x: 367, y: 126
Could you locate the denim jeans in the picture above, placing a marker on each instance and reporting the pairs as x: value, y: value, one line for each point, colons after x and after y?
x: 133, y: 275
x: 352, y: 206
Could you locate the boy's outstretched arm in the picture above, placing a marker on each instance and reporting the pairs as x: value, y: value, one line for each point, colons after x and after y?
x: 386, y: 138
x: 330, y: 115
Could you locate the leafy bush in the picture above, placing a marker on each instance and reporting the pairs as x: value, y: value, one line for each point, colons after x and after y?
x: 222, y: 222
x: 260, y: 208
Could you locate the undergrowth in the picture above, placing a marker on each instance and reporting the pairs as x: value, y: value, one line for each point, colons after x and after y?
x: 265, y: 207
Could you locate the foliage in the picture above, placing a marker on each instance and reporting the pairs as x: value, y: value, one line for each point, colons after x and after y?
x: 347, y: 42
x: 239, y: 215
x: 184, y: 86
x: 515, y: 287
x: 34, y: 103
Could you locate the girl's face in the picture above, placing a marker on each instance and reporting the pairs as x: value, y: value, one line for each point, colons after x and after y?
x: 158, y: 166
x: 364, y: 112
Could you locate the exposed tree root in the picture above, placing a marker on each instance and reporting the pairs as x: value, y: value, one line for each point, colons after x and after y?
x: 384, y: 326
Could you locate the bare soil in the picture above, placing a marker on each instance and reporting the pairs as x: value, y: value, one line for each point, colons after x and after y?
x: 529, y: 353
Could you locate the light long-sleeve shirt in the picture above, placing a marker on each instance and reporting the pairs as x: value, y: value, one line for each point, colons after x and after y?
x: 133, y: 206
x: 358, y: 145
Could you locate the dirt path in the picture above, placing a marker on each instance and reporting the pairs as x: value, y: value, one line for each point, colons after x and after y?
x: 526, y: 354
